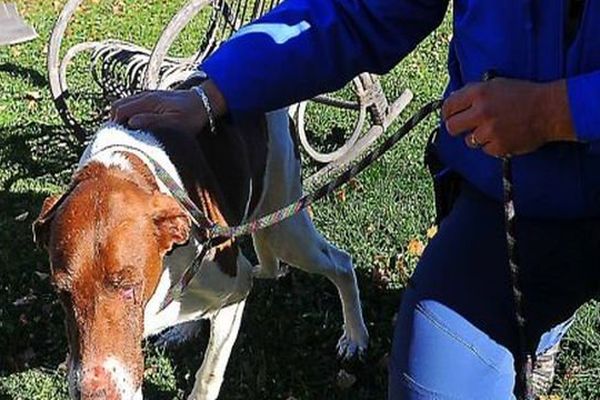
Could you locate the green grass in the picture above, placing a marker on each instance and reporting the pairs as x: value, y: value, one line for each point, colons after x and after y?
x: 286, y: 345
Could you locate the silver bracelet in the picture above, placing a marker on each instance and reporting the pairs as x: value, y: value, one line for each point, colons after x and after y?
x: 199, y: 90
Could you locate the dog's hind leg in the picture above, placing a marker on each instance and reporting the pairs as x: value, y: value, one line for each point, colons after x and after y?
x: 224, y: 327
x: 297, y: 242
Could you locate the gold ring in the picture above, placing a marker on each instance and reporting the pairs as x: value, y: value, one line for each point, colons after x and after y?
x: 473, y: 141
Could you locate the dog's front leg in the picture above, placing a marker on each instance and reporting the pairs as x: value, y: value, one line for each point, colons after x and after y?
x: 224, y: 327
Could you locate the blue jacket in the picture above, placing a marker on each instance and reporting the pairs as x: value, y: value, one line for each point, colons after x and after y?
x: 306, y: 47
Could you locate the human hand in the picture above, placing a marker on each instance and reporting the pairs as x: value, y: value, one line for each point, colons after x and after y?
x: 509, y: 117
x: 179, y: 110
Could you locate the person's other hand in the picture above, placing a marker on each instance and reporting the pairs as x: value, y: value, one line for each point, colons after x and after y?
x: 509, y: 117
x: 179, y: 110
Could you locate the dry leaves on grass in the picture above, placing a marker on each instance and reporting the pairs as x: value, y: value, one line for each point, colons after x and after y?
x: 415, y: 247
x: 432, y: 231
x: 355, y: 184
x: 118, y: 8
x: 32, y: 98
x: 380, y: 275
x: 33, y: 95
x: 402, y: 270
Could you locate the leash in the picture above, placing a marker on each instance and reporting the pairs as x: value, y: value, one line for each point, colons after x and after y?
x: 214, y: 232
x: 524, y: 365
x: 330, y: 187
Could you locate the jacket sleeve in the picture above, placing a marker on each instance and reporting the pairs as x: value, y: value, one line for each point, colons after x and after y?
x: 306, y: 47
x: 584, y: 102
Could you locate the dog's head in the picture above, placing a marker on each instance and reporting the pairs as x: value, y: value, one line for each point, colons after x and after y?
x: 106, y: 239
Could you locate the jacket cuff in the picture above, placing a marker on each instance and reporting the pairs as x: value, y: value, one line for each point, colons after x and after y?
x: 584, y: 103
x: 217, y: 68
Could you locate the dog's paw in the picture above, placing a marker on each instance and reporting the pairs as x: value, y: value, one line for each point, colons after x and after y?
x: 178, y: 334
x: 348, y: 347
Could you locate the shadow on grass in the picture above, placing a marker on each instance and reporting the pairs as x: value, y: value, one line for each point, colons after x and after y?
x: 29, y: 74
x: 30, y: 317
x: 34, y: 152
x: 286, y: 348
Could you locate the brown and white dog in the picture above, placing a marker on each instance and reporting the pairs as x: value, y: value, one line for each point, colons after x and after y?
x: 112, y: 242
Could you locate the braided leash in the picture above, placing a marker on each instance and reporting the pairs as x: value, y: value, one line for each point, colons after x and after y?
x: 525, y: 363
x: 328, y: 188
x: 215, y: 232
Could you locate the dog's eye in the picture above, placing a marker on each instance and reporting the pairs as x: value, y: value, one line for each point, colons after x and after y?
x: 124, y: 285
x: 127, y: 292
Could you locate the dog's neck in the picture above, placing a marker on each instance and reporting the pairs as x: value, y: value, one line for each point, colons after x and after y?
x: 113, y: 146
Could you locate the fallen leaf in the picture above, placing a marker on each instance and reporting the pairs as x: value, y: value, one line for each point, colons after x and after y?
x: 355, y: 184
x: 341, y: 195
x: 431, y: 232
x: 33, y: 95
x: 400, y: 266
x: 118, y: 9
x: 379, y: 258
x: 415, y: 247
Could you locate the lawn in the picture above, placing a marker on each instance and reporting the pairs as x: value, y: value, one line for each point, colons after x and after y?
x: 286, y: 347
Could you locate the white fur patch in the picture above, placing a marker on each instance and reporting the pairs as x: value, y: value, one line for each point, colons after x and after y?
x: 113, y: 138
x: 113, y: 159
x: 122, y: 379
x: 169, y: 316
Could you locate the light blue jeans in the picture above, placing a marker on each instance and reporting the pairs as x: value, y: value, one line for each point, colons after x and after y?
x: 455, y: 334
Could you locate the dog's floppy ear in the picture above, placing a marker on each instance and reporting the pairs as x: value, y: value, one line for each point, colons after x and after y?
x: 172, y: 223
x: 41, y: 225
